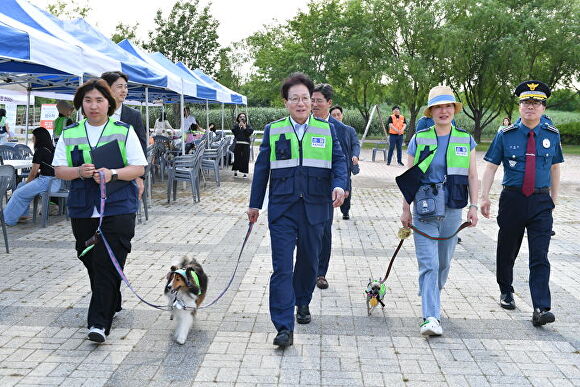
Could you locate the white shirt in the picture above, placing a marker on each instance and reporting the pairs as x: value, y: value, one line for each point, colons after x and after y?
x: 299, y: 128
x: 188, y: 121
x: 117, y: 115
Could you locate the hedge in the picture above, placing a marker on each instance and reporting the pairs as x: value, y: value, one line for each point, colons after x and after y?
x: 570, y: 133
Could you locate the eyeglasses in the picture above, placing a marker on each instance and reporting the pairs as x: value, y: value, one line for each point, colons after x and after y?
x: 295, y: 100
x: 532, y: 103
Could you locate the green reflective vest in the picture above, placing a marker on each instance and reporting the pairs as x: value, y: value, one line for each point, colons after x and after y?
x: 76, y: 136
x: 458, y: 150
x: 316, y: 144
x: 58, y: 126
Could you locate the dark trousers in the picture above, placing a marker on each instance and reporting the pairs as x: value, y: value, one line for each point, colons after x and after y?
x: 345, y: 207
x: 104, y: 279
x: 395, y: 140
x: 241, y: 158
x: 292, y: 284
x: 324, y: 259
x: 516, y: 214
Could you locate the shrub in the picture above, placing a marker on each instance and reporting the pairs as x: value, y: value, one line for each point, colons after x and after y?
x: 570, y: 133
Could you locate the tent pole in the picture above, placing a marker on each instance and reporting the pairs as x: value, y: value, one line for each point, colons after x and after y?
x: 223, y: 116
x: 182, y: 103
x: 79, y: 111
x: 27, y: 110
x: 147, y: 113
x: 207, y: 119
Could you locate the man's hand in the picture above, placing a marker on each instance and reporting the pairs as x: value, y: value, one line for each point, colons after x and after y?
x: 337, y: 197
x: 253, y: 214
x: 140, y: 186
x: 355, y: 160
x: 485, y: 207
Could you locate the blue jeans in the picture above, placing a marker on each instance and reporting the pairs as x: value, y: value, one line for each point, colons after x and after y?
x: 19, y: 203
x: 434, y: 258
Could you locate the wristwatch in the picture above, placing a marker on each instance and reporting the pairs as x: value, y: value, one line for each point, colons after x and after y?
x: 114, y: 175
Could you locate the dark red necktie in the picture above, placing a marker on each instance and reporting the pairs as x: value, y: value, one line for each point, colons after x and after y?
x: 530, y: 173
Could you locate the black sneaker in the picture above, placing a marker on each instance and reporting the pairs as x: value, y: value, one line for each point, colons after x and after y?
x: 543, y: 317
x: 97, y: 335
x: 303, y: 314
x: 284, y: 338
x: 345, y: 217
x: 506, y: 301
x: 401, y: 164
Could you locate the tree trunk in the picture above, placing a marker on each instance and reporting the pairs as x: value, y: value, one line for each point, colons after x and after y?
x: 477, y: 116
x: 411, y: 125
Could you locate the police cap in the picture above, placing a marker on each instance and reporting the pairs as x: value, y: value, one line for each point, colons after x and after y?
x: 536, y: 90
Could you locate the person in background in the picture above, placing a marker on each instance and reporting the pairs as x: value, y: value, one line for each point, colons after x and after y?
x: 188, y: 119
x: 321, y: 103
x: 73, y: 161
x: 336, y: 112
x: 211, y: 127
x: 4, y: 127
x: 242, y: 132
x: 452, y: 169
x: 40, y: 179
x: 504, y: 124
x: 531, y: 155
x: 397, y: 126
x: 63, y: 120
x: 120, y: 88
x: 162, y: 126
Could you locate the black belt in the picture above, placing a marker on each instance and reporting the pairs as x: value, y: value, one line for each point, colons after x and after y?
x: 543, y: 190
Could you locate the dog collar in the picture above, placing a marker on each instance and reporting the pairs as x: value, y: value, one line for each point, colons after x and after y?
x: 194, y: 276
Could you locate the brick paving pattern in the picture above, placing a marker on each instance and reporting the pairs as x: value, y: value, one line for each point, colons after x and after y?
x: 44, y: 295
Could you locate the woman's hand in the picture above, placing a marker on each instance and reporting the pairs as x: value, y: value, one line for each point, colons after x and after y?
x: 86, y: 171
x: 406, y: 217
x: 472, y: 216
x: 97, y: 175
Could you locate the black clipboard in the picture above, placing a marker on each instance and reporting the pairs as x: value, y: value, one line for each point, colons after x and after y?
x: 109, y: 156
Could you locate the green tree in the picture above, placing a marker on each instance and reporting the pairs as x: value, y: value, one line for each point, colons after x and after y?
x: 126, y: 31
x: 69, y: 9
x: 188, y: 34
x: 226, y: 75
x: 410, y: 33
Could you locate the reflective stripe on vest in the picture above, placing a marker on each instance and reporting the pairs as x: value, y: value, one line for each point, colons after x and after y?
x: 458, y: 150
x: 76, y: 136
x: 397, y: 123
x: 316, y: 144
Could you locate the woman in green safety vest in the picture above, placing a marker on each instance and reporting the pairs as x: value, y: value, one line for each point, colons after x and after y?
x: 73, y: 160
x: 4, y: 128
x: 450, y: 176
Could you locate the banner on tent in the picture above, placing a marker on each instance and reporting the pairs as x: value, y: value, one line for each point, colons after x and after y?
x: 48, y: 113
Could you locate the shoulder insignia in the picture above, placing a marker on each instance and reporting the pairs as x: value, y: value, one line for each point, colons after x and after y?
x: 552, y: 128
x: 121, y: 123
x: 73, y: 125
x: 507, y: 129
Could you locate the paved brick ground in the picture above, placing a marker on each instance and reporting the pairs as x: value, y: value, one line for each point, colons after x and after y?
x: 44, y: 296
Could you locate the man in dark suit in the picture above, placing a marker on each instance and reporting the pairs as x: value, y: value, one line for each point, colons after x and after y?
x: 301, y: 158
x: 119, y: 88
x: 321, y: 103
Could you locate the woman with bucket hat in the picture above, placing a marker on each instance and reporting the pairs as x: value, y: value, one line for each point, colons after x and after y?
x: 446, y: 156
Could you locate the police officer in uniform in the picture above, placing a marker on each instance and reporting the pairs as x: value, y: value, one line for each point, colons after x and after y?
x: 531, y: 154
x: 302, y: 159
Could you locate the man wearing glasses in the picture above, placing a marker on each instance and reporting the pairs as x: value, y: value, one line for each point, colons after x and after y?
x: 303, y: 162
x: 531, y: 154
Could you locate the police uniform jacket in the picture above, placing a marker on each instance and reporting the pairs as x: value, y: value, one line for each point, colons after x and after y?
x: 349, y: 143
x: 509, y: 148
x: 288, y: 185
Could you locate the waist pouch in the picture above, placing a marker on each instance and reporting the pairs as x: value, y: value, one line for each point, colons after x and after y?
x: 430, y: 202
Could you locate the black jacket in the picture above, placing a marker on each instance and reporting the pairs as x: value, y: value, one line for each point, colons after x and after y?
x: 133, y: 117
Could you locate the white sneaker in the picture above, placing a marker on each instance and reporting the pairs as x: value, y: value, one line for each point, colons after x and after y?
x: 97, y: 335
x: 431, y: 327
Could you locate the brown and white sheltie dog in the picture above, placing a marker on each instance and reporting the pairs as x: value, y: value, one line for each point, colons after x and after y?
x: 185, y: 290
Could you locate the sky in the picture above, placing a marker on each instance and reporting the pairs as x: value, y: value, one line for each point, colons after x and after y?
x: 238, y: 19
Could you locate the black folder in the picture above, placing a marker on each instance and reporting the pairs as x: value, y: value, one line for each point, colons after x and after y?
x: 109, y: 156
